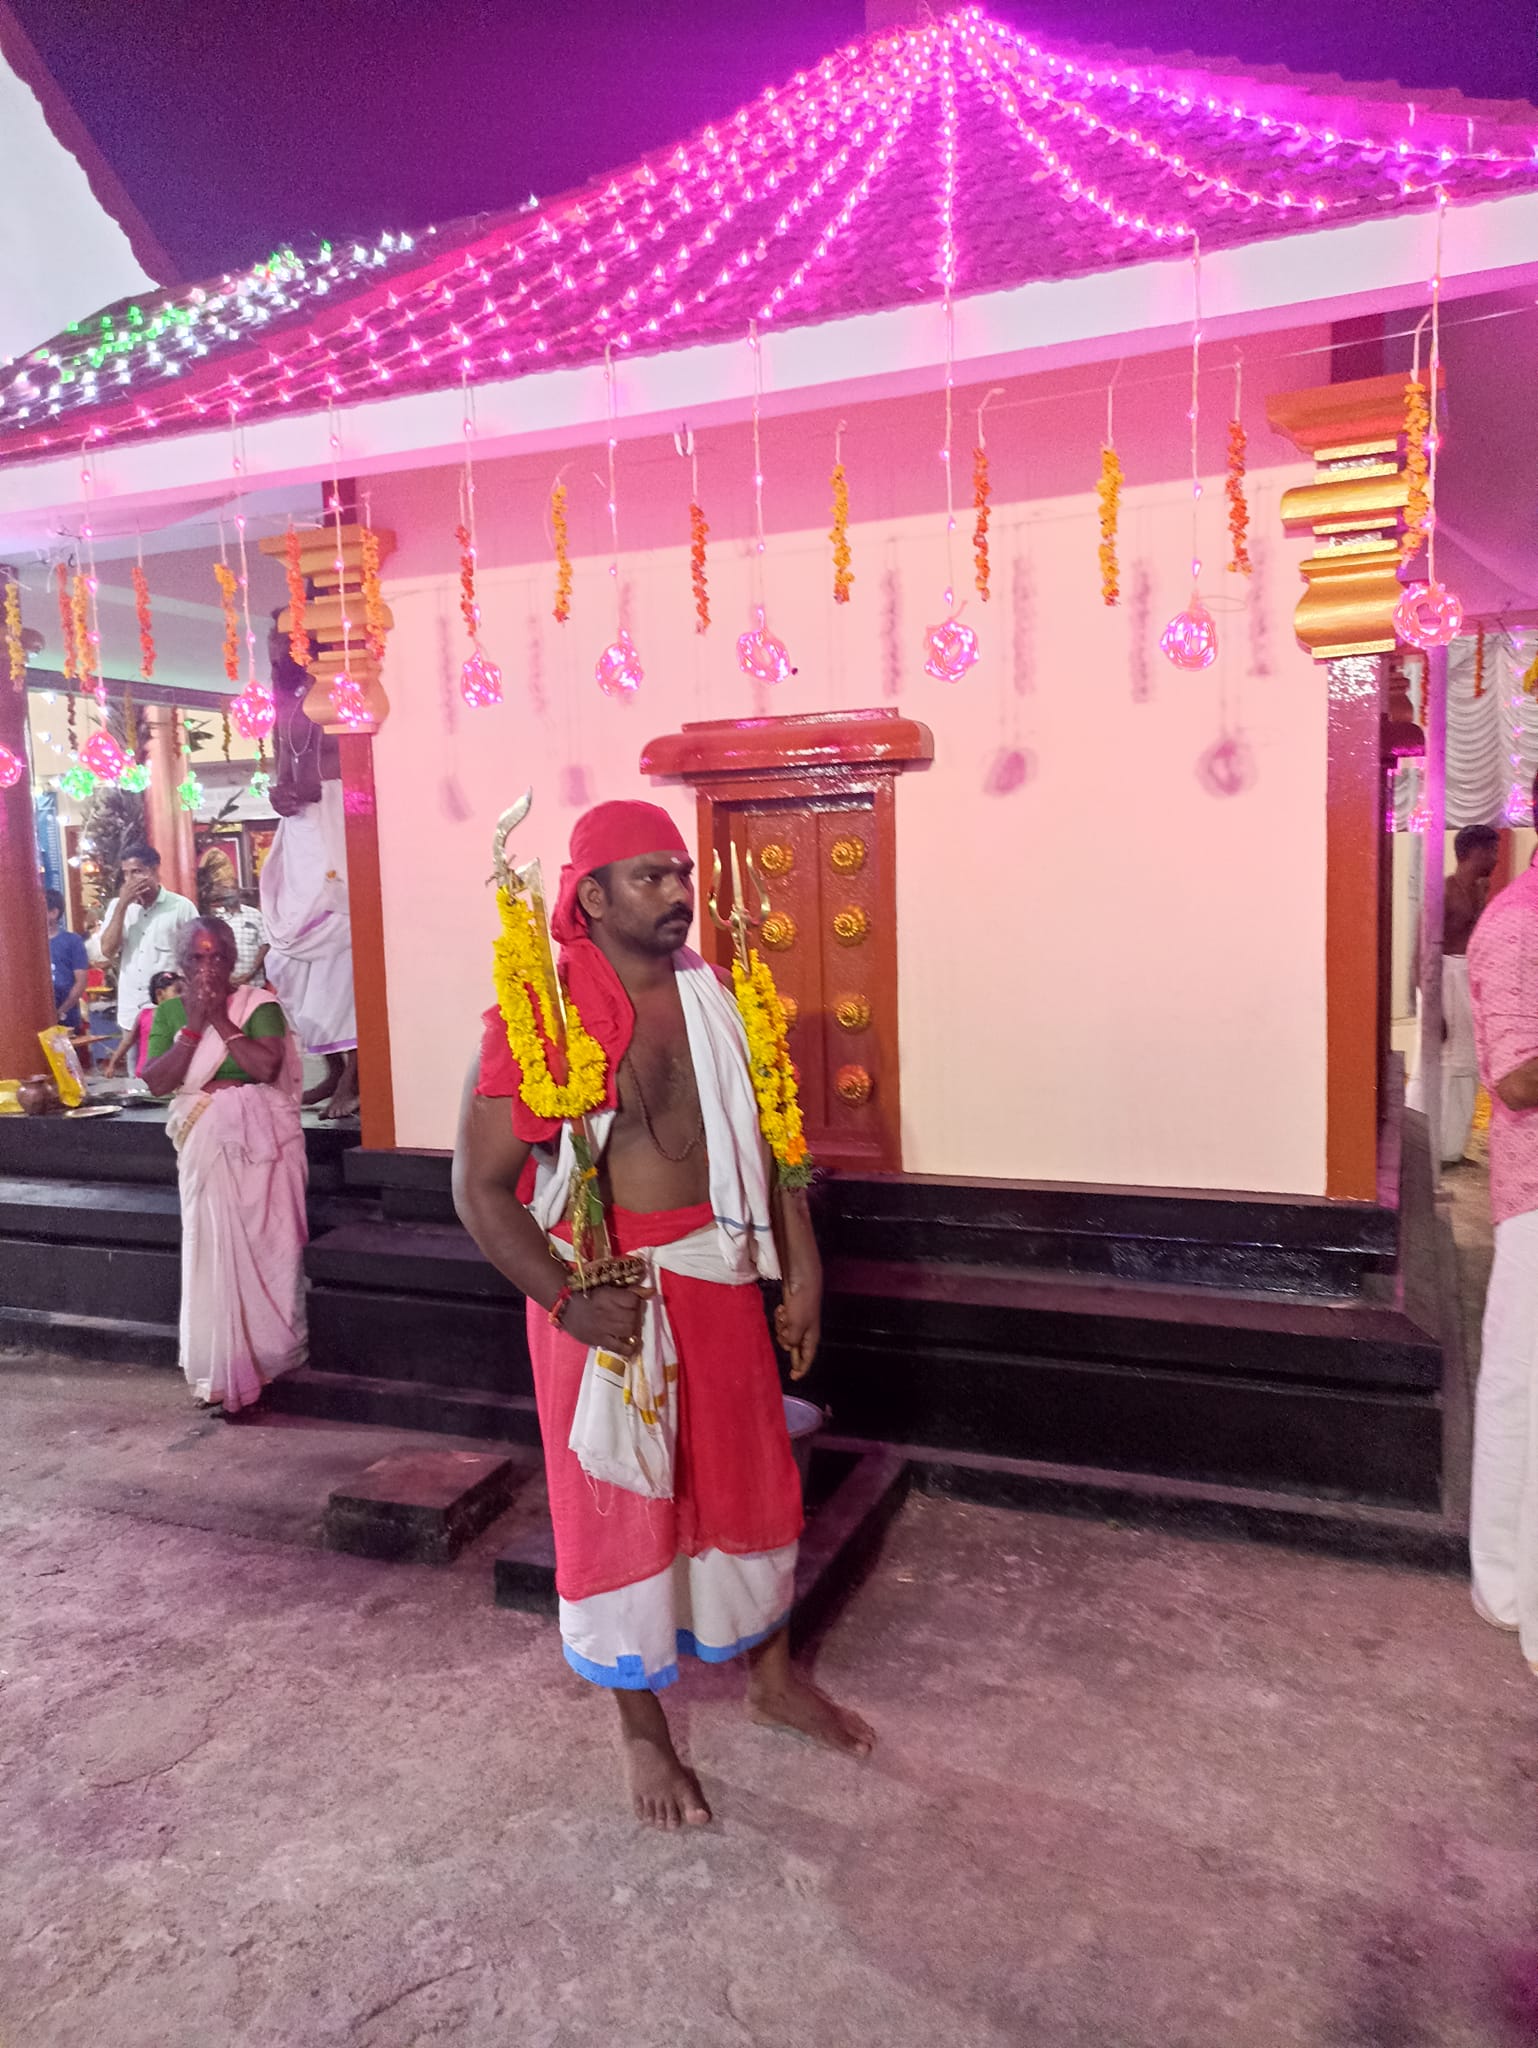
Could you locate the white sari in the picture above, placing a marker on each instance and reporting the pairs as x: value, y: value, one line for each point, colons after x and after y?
x: 242, y: 1171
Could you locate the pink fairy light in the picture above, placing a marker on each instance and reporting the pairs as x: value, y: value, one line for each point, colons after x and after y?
x: 104, y: 757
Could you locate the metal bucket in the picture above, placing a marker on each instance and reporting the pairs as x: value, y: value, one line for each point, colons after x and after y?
x: 803, y: 1419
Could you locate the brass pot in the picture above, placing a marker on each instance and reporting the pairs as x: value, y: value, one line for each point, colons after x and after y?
x: 39, y: 1096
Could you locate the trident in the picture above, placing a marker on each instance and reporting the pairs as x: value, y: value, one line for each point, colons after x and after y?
x: 739, y: 920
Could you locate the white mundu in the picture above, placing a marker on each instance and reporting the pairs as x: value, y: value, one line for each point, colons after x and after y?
x: 309, y: 926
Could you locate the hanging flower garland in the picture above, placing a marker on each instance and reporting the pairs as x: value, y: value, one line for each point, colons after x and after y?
x: 1238, y: 505
x: 68, y: 658
x: 1417, y: 465
x: 519, y: 966
x: 1479, y: 662
x: 1108, y: 490
x: 981, y: 491
x: 224, y: 576
x: 562, y: 556
x: 838, y: 532
x: 146, y: 622
x: 80, y: 613
x: 15, y: 648
x: 298, y: 638
x: 373, y: 595
x: 773, y: 1070
x: 1530, y: 676
x: 698, y: 529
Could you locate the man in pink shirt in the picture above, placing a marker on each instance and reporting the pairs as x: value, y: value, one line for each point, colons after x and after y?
x: 1503, y: 1534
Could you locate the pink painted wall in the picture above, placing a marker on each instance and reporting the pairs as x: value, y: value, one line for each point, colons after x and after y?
x: 1111, y: 958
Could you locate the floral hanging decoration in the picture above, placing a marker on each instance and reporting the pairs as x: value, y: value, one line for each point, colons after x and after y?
x: 520, y: 974
x: 1108, y: 490
x: 1417, y: 435
x: 981, y: 492
x: 15, y: 648
x: 146, y: 622
x: 1238, y: 506
x: 80, y: 609
x: 298, y: 637
x: 373, y: 596
x: 838, y: 534
x: 774, y: 1072
x: 698, y: 530
x: 1479, y: 662
x: 69, y: 659
x: 224, y: 576
x: 562, y: 556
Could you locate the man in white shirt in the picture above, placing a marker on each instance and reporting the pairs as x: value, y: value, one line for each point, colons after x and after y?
x: 138, y: 934
x: 250, y: 935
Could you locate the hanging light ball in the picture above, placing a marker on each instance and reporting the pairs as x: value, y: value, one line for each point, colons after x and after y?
x: 480, y: 681
x: 103, y: 756
x: 135, y: 778
x: 12, y: 768
x: 189, y: 794
x: 349, y: 706
x: 1428, y: 615
x: 949, y: 651
x: 1190, y: 640
x: 254, y: 713
x: 618, y: 672
x: 77, y: 782
x: 761, y: 655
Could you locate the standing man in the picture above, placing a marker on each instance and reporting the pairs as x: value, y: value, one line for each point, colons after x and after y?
x: 1476, y: 850
x: 69, y: 960
x: 708, y: 1568
x: 304, y: 889
x: 138, y: 938
x: 1503, y: 1533
x: 250, y: 933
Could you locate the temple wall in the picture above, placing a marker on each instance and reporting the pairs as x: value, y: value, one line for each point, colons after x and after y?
x: 1112, y: 968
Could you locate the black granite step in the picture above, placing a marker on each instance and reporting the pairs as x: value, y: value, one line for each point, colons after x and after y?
x: 91, y: 1212
x: 914, y: 1306
x: 132, y: 1283
x: 406, y: 1404
x: 1280, y: 1244
x: 109, y: 1338
x: 133, y: 1147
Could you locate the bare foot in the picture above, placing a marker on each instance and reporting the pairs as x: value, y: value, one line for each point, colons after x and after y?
x: 793, y: 1703
x: 344, y: 1097
x: 664, y: 1794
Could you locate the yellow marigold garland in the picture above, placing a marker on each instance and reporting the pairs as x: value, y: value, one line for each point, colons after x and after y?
x: 146, y: 622
x: 1479, y: 662
x: 521, y: 965
x: 80, y: 607
x: 773, y: 1071
x: 562, y: 558
x: 298, y: 638
x: 982, y: 490
x: 697, y: 532
x: 373, y: 596
x: 1530, y: 676
x: 15, y: 650
x: 224, y: 576
x: 68, y: 656
x: 838, y: 533
x: 1238, y: 507
x: 1417, y: 428
x: 1108, y: 490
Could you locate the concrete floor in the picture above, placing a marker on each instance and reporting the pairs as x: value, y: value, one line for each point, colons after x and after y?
x: 1134, y: 1790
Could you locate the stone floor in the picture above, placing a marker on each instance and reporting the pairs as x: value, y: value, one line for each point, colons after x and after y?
x: 1134, y: 1790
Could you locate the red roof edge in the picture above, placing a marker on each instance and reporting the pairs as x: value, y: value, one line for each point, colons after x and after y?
x: 19, y: 51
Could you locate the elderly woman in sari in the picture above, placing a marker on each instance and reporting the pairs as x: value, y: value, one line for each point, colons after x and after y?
x: 226, y: 1056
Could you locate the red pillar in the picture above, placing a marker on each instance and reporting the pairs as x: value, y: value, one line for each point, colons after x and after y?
x: 170, y: 827
x: 26, y: 985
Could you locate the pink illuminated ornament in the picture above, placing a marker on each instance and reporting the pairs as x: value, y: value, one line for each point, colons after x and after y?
x: 1190, y: 640
x: 1428, y: 615
x: 349, y: 707
x: 761, y: 655
x: 254, y: 712
x: 104, y: 757
x: 950, y: 650
x: 618, y: 672
x: 480, y: 680
x: 12, y: 768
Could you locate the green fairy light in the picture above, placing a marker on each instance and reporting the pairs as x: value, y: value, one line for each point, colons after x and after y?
x: 77, y: 783
x: 259, y: 785
x: 134, y: 778
x: 189, y: 794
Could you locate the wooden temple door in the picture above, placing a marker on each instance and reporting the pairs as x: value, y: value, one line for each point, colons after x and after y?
x: 812, y: 799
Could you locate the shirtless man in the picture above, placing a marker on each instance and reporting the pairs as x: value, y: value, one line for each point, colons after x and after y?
x: 304, y: 890
x: 710, y: 1570
x: 1476, y: 850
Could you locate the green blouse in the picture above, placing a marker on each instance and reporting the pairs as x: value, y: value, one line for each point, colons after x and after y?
x: 265, y: 1021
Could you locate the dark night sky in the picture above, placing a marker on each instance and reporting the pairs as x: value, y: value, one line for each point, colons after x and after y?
x: 235, y: 128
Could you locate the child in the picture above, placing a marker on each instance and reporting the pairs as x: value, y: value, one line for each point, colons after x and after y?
x: 167, y: 983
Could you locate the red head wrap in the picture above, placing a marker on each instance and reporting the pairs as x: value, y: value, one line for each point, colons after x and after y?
x: 610, y: 832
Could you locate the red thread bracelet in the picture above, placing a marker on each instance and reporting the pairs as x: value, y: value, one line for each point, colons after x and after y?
x: 559, y: 1306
